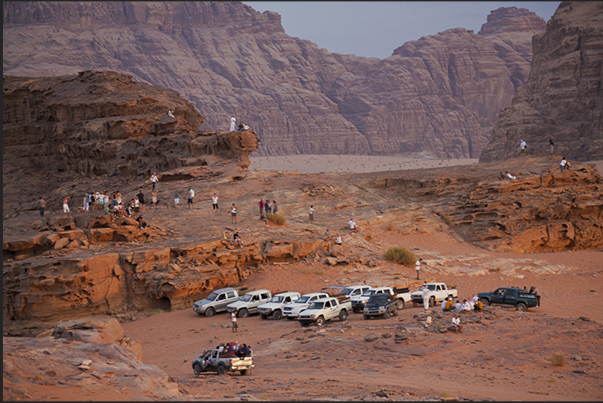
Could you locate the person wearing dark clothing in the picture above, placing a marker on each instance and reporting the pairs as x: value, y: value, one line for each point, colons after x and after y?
x: 141, y: 200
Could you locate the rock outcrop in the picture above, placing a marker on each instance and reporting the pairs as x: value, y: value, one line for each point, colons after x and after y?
x: 543, y: 210
x: 438, y: 96
x: 91, y: 358
x: 563, y: 97
x: 104, y: 123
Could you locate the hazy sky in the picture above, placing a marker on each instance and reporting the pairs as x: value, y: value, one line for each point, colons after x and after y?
x: 376, y: 28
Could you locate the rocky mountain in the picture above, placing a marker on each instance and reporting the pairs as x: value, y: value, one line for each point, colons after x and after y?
x: 437, y: 96
x: 104, y: 123
x: 563, y: 96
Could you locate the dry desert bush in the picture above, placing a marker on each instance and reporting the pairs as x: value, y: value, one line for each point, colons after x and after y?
x: 276, y: 219
x: 400, y: 255
x: 558, y: 360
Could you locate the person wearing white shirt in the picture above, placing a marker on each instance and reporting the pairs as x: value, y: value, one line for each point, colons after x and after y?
x: 191, y: 198
x: 466, y: 306
x: 457, y: 306
x: 233, y: 122
x: 214, y: 201
x: 456, y: 322
x: 338, y: 240
x: 418, y: 266
x: 311, y: 214
x: 425, y: 297
x: 352, y: 225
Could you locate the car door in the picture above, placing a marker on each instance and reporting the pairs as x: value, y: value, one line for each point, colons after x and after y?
x: 510, y: 296
x: 497, y: 296
x: 221, y: 302
x: 328, y: 310
x: 438, y: 292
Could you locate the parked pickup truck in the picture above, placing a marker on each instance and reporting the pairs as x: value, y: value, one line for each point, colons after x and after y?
x: 275, y: 306
x: 438, y: 292
x: 222, y: 362
x: 348, y: 291
x: 382, y: 305
x: 401, y: 296
x: 216, y: 301
x: 509, y: 296
x: 325, y: 309
x: 249, y: 303
x: 293, y: 309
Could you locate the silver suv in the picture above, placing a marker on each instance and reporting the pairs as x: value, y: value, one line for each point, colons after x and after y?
x: 216, y: 301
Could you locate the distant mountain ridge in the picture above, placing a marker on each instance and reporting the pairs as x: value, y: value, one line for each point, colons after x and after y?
x: 438, y: 96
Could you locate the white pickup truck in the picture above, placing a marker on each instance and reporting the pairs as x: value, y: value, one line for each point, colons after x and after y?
x: 275, y: 306
x: 293, y: 309
x: 437, y: 293
x: 349, y: 291
x: 401, y: 295
x: 325, y: 309
x: 249, y: 303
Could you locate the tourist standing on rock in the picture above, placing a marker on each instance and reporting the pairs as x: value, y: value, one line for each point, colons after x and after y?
x: 425, y: 297
x: 267, y: 206
x: 261, y: 204
x: 154, y: 179
x: 136, y: 205
x: 176, y: 200
x: 171, y: 114
x: 191, y: 198
x: 352, y: 225
x: 86, y: 203
x: 41, y: 206
x: 154, y: 197
x: 141, y: 200
x: 214, y: 202
x: 233, y: 213
x: 233, y: 123
x: 274, y: 208
x: 522, y: 146
x: 418, y: 267
x: 552, y: 144
x: 311, y: 214
x: 563, y: 164
x: 233, y: 317
x: 456, y: 322
x: 66, y: 205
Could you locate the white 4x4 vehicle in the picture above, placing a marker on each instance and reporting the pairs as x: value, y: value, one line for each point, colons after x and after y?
x: 249, y: 303
x: 401, y: 295
x: 293, y: 309
x: 437, y: 293
x: 348, y: 291
x: 325, y: 309
x: 275, y: 306
x: 216, y: 301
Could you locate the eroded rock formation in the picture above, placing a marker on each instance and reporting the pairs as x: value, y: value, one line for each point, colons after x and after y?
x: 437, y: 96
x: 563, y: 97
x: 98, y: 123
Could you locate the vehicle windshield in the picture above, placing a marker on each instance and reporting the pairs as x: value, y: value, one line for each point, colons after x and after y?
x: 379, y: 298
x: 302, y: 300
x: 277, y: 299
x: 431, y: 287
x: 347, y: 290
x: 317, y: 305
x: 246, y: 297
x: 212, y: 296
x: 368, y: 293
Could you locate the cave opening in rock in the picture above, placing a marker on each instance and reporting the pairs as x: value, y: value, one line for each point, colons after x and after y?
x: 163, y: 304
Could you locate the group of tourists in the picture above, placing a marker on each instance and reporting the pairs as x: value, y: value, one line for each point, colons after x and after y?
x: 233, y: 123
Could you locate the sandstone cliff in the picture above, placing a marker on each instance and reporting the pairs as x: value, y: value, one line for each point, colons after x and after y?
x: 104, y: 123
x: 438, y: 96
x: 563, y: 97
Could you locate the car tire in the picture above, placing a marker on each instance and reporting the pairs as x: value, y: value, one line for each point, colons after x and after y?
x: 386, y: 315
x: 395, y: 312
x: 400, y: 304
x: 485, y: 301
x: 343, y: 315
x: 366, y: 317
x: 277, y: 315
x: 290, y: 317
x: 209, y: 312
x: 197, y: 369
x: 243, y: 313
x: 414, y: 304
x: 263, y: 316
x: 221, y: 370
x: 432, y: 301
x: 304, y: 324
x: 320, y: 321
x: 522, y: 307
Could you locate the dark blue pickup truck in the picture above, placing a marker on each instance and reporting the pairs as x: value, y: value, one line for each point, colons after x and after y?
x: 509, y: 296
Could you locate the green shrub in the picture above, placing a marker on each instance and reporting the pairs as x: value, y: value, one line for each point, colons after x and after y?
x: 558, y: 360
x: 276, y: 219
x: 390, y: 226
x: 400, y: 255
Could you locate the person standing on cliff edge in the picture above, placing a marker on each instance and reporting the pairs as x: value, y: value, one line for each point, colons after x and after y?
x: 522, y: 146
x: 552, y: 144
x: 233, y: 122
x: 41, y: 206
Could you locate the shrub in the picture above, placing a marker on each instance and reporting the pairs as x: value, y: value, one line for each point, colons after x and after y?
x: 390, y: 226
x: 400, y: 255
x: 276, y: 219
x: 558, y: 360
x: 444, y: 394
x: 320, y: 272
